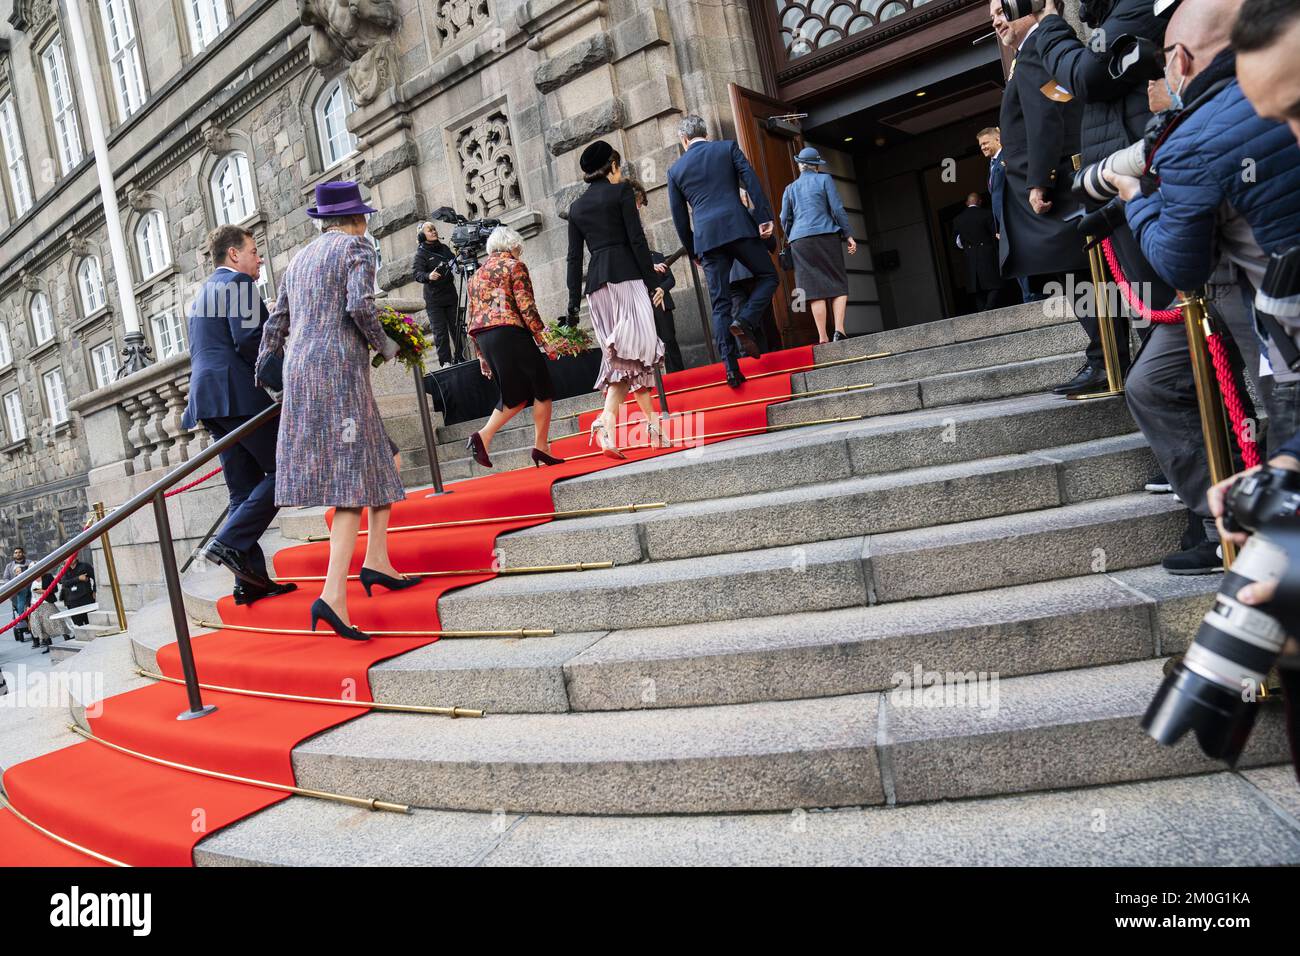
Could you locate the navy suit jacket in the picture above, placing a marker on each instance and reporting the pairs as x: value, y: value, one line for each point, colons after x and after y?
x: 708, y: 178
x: 225, y: 323
x: 997, y: 184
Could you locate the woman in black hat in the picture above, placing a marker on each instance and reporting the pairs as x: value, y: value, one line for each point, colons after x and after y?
x: 815, y: 224
x: 620, y: 280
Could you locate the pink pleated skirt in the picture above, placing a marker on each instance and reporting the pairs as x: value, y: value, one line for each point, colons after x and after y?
x: 623, y: 318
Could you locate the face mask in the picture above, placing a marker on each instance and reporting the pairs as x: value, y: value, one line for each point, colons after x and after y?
x: 1175, y: 96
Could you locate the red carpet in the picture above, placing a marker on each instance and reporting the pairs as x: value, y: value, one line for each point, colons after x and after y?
x: 147, y: 815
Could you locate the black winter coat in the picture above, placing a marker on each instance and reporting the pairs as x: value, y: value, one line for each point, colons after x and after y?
x: 1115, y: 112
x: 430, y: 256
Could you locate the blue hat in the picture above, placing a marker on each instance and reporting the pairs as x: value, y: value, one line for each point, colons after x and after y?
x: 341, y: 198
x: 810, y: 157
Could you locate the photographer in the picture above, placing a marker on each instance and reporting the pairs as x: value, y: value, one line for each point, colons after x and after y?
x: 1115, y: 111
x: 433, y: 269
x: 1229, y: 193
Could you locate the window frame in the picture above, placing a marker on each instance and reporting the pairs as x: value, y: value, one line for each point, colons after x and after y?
x: 87, y: 309
x: 321, y: 115
x: 14, y: 414
x: 15, y: 156
x: 65, y: 122
x: 6, y: 347
x: 175, y: 326
x: 164, y: 243
x: 236, y: 162
x: 124, y: 58
x: 196, y: 27
x: 50, y: 404
x: 95, y: 352
x: 47, y: 311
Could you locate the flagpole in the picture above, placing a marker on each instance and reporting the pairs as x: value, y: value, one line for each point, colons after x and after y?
x: 135, y: 355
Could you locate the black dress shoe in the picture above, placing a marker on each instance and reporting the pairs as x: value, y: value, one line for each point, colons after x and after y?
x: 319, y: 609
x: 1097, y: 381
x: 838, y: 336
x: 245, y: 595
x: 734, y: 378
x: 236, y: 563
x: 745, y: 337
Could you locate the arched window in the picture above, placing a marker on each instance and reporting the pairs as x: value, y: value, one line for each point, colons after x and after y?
x: 332, y: 109
x: 151, y: 244
x: 15, y: 159
x: 42, y: 318
x: 232, y: 189
x: 67, y: 132
x: 90, y: 281
x: 6, y: 353
x: 207, y: 18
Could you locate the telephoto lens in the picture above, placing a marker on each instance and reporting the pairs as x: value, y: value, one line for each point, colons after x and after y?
x: 1015, y: 9
x: 1213, y: 690
x: 1089, y: 183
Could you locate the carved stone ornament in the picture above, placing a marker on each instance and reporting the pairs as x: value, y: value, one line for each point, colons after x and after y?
x: 78, y: 245
x: 488, y: 168
x: 30, y: 15
x: 453, y: 19
x: 373, y: 73
x: 216, y: 139
x: 139, y: 199
x: 346, y: 29
x: 31, y: 282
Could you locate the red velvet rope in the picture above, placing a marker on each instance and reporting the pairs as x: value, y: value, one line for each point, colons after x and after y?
x: 1218, y: 355
x: 1131, y: 297
x: 193, y: 484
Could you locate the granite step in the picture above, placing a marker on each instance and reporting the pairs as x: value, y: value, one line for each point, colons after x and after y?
x: 1091, y: 537
x: 1026, y: 629
x: 895, y: 501
x: 1025, y: 377
x: 1041, y: 732
x: 1251, y: 817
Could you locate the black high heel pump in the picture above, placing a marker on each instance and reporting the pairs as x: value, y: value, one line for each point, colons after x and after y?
x: 319, y: 609
x: 542, y: 458
x: 371, y: 577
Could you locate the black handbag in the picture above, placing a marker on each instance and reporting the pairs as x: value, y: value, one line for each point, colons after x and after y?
x: 270, y: 371
x: 786, y: 257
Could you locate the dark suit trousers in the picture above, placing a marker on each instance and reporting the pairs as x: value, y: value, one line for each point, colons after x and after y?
x: 667, y: 330
x: 249, y: 469
x: 753, y: 255
x: 442, y: 318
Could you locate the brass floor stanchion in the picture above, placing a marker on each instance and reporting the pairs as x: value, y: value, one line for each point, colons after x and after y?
x: 1214, y: 421
x: 113, y: 581
x: 1105, y: 321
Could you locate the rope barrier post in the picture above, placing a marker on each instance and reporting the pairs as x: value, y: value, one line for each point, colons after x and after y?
x: 179, y: 619
x: 1214, y: 426
x: 659, y: 387
x: 113, y: 581
x: 426, y: 425
x: 706, y: 314
x: 1105, y: 322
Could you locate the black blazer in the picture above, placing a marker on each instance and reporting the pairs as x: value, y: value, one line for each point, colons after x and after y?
x: 663, y: 281
x: 605, y: 220
x: 430, y: 256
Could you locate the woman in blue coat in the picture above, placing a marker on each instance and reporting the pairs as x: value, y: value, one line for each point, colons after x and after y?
x: 815, y: 224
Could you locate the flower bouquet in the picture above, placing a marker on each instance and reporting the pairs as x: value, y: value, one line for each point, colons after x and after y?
x: 411, y: 343
x: 567, y: 339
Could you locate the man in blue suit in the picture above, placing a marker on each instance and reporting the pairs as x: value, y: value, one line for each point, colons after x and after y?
x: 990, y: 140
x: 225, y: 324
x: 719, y: 231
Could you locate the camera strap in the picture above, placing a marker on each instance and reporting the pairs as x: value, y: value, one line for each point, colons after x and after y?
x: 1285, y: 344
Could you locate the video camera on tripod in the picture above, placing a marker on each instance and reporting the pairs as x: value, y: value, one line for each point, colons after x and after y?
x: 468, y: 237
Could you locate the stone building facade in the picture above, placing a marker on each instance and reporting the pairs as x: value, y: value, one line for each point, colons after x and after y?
x: 482, y: 105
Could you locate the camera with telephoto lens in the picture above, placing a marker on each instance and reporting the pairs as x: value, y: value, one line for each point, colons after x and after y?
x: 1213, y: 690
x: 1015, y: 9
x: 1135, y: 159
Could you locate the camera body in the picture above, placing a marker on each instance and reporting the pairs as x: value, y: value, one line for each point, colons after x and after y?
x: 468, y: 237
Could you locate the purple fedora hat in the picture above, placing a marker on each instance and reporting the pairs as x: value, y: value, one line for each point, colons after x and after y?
x: 341, y: 198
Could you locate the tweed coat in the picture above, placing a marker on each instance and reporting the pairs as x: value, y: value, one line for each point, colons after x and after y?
x: 333, y: 449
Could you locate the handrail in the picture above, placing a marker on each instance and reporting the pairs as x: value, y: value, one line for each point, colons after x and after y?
x: 136, y: 502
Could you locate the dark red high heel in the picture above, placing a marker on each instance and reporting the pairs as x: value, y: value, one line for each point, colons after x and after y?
x: 542, y: 458
x: 475, y: 446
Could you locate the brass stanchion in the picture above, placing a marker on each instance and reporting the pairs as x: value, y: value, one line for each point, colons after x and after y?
x: 1214, y: 421
x: 113, y: 582
x: 1105, y: 322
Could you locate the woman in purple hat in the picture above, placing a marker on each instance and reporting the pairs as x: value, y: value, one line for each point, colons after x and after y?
x: 620, y: 277
x: 332, y: 446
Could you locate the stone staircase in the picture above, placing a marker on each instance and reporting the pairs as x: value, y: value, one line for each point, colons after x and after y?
x: 724, y: 692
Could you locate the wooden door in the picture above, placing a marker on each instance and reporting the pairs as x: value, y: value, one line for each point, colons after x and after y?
x: 770, y: 148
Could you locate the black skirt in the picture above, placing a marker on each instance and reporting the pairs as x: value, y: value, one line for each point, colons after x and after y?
x: 518, y: 365
x: 819, y: 266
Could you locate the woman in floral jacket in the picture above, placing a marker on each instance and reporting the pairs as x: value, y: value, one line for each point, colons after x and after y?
x: 507, y: 332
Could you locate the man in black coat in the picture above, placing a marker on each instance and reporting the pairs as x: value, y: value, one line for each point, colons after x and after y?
x: 1115, y: 105
x: 977, y: 238
x: 433, y: 270
x: 225, y: 325
x: 77, y: 588
x: 1040, y: 134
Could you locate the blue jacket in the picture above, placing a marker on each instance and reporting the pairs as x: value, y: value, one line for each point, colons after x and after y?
x: 225, y: 322
x: 1223, y: 151
x: 810, y: 206
x: 708, y: 178
x: 997, y: 186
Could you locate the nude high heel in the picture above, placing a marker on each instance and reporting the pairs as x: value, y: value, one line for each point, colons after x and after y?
x: 600, y: 434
